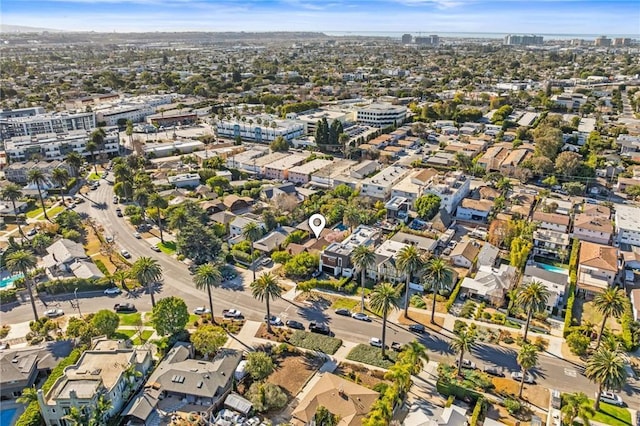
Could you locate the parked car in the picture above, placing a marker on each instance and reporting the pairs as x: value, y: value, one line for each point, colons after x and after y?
x: 53, y: 313
x: 108, y: 239
x: 274, y: 320
x: 119, y: 212
x: 231, y: 313
x: 396, y: 346
x: 265, y: 262
x: 467, y: 363
x: 201, y: 310
x: 112, y: 290
x: 124, y: 307
x: 116, y: 200
x: 319, y: 328
x: 125, y: 254
x: 417, y: 328
x: 343, y: 311
x: 611, y: 398
x: 32, y: 232
x: 374, y: 341
x: 517, y: 375
x: 316, y: 274
x: 361, y: 317
x: 295, y: 324
x: 493, y: 371
x: 156, y: 249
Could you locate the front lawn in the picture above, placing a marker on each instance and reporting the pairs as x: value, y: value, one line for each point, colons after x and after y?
x: 129, y: 319
x: 94, y: 176
x: 315, y: 342
x: 168, y: 247
x: 124, y: 334
x: 51, y: 212
x: 345, y: 303
x: 372, y: 356
x: 144, y: 337
x: 612, y: 415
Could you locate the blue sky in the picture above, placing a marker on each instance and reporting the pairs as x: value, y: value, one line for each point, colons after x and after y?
x: 413, y: 16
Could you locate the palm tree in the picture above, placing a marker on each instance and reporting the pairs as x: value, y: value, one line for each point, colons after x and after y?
x: 252, y: 233
x: 351, y: 217
x: 363, y: 257
x: 264, y: 288
x: 576, y: 405
x: 75, y: 417
x: 147, y: 271
x: 96, y: 141
x: 610, y: 303
x: 37, y: 177
x: 463, y: 342
x: 415, y: 354
x: 129, y: 131
x: 60, y: 177
x: 532, y: 297
x: 22, y: 261
x: 439, y: 276
x: 28, y: 396
x: 527, y: 359
x: 120, y: 276
x: 410, y: 262
x: 607, y: 369
x: 12, y: 193
x: 131, y: 374
x: 384, y: 298
x: 208, y: 276
x: 75, y: 161
x: 504, y: 185
x: 100, y: 409
x: 155, y: 200
x: 92, y: 147
x: 400, y: 375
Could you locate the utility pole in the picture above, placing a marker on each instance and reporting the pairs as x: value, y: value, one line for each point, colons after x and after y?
x: 75, y: 293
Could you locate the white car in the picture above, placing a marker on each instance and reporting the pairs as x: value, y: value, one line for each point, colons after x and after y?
x: 125, y: 254
x: 108, y: 239
x: 374, y: 341
x: 274, y: 320
x: 466, y: 363
x: 137, y: 235
x: 360, y: 316
x: 113, y: 290
x: 201, y: 310
x: 517, y: 375
x: 611, y: 398
x: 53, y: 313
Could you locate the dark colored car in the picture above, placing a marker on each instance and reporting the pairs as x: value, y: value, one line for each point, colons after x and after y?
x: 493, y: 371
x: 319, y: 328
x: 118, y: 212
x: 417, y: 328
x: 124, y: 307
x: 343, y: 311
x: 295, y: 324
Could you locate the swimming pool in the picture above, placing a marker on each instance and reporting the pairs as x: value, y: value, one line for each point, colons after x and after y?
x: 552, y: 268
x: 341, y: 227
x: 7, y: 282
x: 7, y: 415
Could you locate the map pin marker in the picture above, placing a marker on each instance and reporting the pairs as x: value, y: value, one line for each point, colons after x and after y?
x: 317, y: 223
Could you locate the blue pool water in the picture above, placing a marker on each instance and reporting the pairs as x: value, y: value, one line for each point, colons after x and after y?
x: 7, y: 281
x: 6, y: 416
x: 341, y: 227
x: 552, y: 268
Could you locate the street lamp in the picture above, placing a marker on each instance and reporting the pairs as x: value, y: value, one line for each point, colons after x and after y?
x: 75, y: 292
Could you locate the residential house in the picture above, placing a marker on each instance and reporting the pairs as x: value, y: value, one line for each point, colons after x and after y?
x: 397, y: 209
x: 450, y: 188
x: 6, y: 207
x: 273, y: 240
x: 185, y: 180
x: 414, y: 184
x: 592, y: 228
x: 181, y: 382
x: 18, y: 172
x: 452, y: 415
x: 345, y: 399
x: 380, y: 185
x: 490, y: 284
x: 555, y: 281
x: 515, y: 158
x: 551, y: 243
x: 424, y: 244
x: 631, y: 258
x: 494, y: 156
x: 22, y: 367
x: 384, y: 268
x: 476, y: 210
x: 488, y: 255
x: 552, y: 221
x: 324, y: 177
x: 598, y: 266
x: 628, y: 224
x: 442, y: 221
x: 100, y: 370
x: 335, y: 259
x: 66, y: 257
x: 302, y: 173
x: 237, y: 226
x: 464, y: 253
x: 488, y: 193
x: 269, y: 193
x: 235, y: 203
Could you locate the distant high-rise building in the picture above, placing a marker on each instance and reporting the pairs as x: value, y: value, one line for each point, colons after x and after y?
x: 431, y: 40
x: 602, y: 41
x: 406, y: 38
x: 435, y: 40
x: 621, y: 41
x: 523, y: 40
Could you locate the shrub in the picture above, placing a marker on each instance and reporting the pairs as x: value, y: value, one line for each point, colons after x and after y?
x: 478, y: 411
x: 418, y: 302
x: 259, y: 365
x: 372, y: 356
x: 468, y: 309
x: 280, y: 257
x: 301, y: 265
x: 8, y: 296
x: 447, y: 389
x: 31, y: 415
x: 578, y: 343
x: 480, y: 311
x: 499, y: 318
x: 266, y: 396
x: 315, y: 342
x: 453, y: 296
x: 568, y: 315
x: 486, y: 316
x: 630, y: 340
x: 69, y: 285
x: 459, y: 326
x: 101, y: 266
x: 341, y: 285
x: 512, y: 406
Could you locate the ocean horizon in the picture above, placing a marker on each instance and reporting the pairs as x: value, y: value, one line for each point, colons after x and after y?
x: 398, y: 35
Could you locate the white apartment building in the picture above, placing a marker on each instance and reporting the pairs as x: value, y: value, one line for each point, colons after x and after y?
x: 185, y: 180
x: 302, y: 173
x: 570, y: 101
x: 381, y: 115
x: 451, y: 188
x: 56, y: 146
x: 325, y: 176
x: 279, y: 169
x: 380, y: 185
x: 413, y: 185
x: 263, y: 129
x: 136, y: 109
x: 21, y: 112
x: 39, y: 124
x: 310, y: 118
x: 246, y: 158
x: 335, y: 259
x: 628, y: 224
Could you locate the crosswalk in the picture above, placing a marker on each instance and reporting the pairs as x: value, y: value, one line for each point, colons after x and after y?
x: 571, y: 372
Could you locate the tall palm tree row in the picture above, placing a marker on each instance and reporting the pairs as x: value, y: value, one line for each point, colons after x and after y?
x: 266, y: 288
x: 12, y: 193
x: 252, y: 233
x: 96, y: 142
x: 532, y: 297
x: 607, y: 369
x: 576, y: 405
x: 410, y: 262
x: 155, y: 200
x: 75, y: 162
x: 147, y: 271
x: 527, y: 359
x: 38, y: 178
x: 439, y: 276
x: 610, y: 303
x: 208, y: 276
x: 60, y: 177
x: 384, y: 298
x: 23, y: 261
x: 463, y: 341
x: 363, y: 257
x: 414, y: 354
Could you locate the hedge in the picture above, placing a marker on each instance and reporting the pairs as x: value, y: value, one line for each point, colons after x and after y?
x: 69, y: 285
x: 315, y: 342
x: 568, y: 315
x: 101, y: 266
x: 342, y: 285
x: 31, y: 415
x: 8, y: 296
x: 453, y: 296
x: 459, y: 392
x: 626, y: 320
x: 478, y: 410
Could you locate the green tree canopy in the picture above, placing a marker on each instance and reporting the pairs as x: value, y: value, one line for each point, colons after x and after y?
x: 259, y: 365
x: 208, y: 339
x: 105, y: 322
x: 170, y: 315
x: 427, y: 206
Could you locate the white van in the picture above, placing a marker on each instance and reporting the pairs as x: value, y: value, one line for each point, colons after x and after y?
x: 611, y: 398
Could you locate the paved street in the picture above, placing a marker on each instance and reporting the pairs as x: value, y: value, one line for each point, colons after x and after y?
x: 553, y: 372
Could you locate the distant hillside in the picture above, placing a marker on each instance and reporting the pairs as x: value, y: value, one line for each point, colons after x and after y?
x: 22, y: 29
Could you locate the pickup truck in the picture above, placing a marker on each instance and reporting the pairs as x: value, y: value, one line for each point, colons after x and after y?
x: 124, y: 307
x: 232, y: 313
